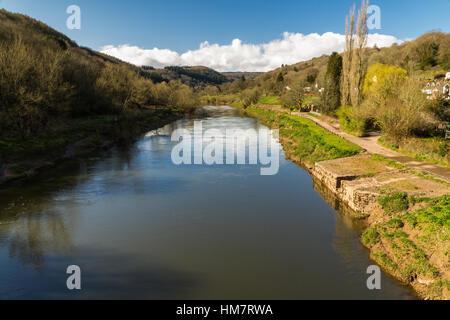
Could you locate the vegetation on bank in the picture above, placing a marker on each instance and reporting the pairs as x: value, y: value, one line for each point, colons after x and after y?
x: 404, y: 244
x: 269, y: 100
x: 394, y: 202
x: 304, y: 140
x: 53, y: 142
x: 435, y: 149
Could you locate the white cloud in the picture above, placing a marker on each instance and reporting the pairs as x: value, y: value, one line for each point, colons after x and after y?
x: 239, y: 56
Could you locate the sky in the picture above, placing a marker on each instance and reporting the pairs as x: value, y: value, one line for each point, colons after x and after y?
x: 229, y: 35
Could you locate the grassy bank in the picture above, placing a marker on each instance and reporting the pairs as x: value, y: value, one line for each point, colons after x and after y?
x: 20, y: 158
x: 302, y: 139
x: 269, y: 100
x: 433, y: 150
x: 414, y: 245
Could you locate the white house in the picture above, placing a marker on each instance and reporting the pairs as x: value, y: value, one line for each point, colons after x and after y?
x: 446, y: 91
x: 447, y: 76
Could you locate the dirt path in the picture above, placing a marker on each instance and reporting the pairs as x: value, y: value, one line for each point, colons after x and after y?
x: 372, y: 146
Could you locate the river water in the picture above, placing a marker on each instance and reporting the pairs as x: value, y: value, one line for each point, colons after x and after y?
x: 141, y: 227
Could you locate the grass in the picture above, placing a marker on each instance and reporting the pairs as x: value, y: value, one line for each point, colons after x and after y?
x: 270, y: 100
x: 311, y: 100
x: 404, y: 244
x: 394, y: 202
x: 395, y: 223
x: 432, y: 150
x: 370, y: 237
x: 387, y: 161
x: 304, y: 139
x: 437, y: 214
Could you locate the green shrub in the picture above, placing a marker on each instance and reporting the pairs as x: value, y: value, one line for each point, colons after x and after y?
x: 249, y: 97
x: 395, y: 202
x: 354, y: 120
x: 370, y: 237
x: 395, y: 223
x: 438, y: 213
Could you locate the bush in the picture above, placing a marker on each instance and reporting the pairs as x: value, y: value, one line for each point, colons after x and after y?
x: 182, y: 96
x: 395, y: 202
x: 293, y: 98
x: 370, y: 237
x: 383, y: 80
x: 355, y: 120
x: 399, y: 120
x: 33, y: 91
x: 249, y: 97
x: 395, y: 223
x: 121, y: 89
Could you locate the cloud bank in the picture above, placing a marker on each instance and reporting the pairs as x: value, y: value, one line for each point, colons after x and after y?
x: 239, y: 56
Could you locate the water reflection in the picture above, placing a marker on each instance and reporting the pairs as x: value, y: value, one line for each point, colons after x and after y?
x: 346, y: 240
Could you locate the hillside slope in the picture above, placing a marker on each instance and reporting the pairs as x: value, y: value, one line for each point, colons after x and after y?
x: 427, y: 56
x: 196, y: 77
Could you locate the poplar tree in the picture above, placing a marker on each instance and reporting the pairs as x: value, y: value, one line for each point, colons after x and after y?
x: 347, y: 57
x: 359, y: 56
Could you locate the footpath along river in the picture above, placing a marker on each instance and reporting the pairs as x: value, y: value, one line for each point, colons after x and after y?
x: 141, y: 227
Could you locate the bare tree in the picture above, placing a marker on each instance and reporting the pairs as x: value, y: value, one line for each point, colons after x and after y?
x: 347, y: 57
x: 359, y: 58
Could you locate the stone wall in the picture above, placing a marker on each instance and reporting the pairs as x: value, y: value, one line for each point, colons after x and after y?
x: 347, y: 189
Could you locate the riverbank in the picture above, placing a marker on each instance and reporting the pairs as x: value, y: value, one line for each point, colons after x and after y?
x: 21, y: 159
x: 406, y: 212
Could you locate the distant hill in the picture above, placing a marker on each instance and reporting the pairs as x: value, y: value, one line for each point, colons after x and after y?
x: 238, y: 75
x: 193, y: 76
x: 197, y: 77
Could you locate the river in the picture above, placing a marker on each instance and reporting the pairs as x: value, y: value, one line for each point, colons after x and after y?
x: 141, y: 227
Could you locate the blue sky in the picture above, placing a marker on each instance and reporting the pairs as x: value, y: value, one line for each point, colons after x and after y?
x: 181, y: 25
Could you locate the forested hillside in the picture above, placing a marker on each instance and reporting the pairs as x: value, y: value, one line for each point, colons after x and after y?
x: 196, y: 77
x: 47, y: 79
